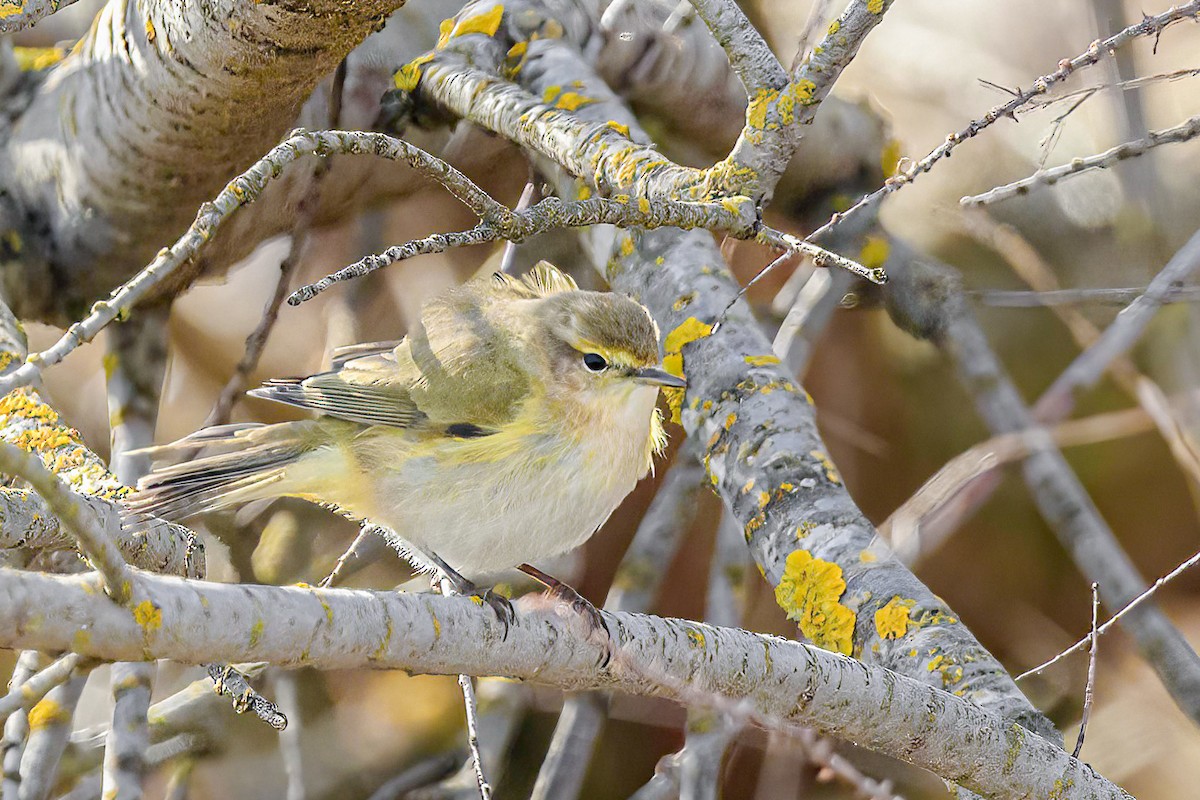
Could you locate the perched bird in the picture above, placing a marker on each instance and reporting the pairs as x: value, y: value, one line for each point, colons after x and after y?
x: 504, y: 429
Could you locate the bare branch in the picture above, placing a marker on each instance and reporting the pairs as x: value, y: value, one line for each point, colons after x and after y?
x: 1137, y: 601
x: 1148, y: 26
x: 1185, y: 131
x: 240, y: 191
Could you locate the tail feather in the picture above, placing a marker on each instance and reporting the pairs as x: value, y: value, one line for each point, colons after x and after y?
x: 219, y: 467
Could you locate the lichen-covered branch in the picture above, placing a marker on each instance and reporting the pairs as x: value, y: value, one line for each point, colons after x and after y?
x: 342, y: 629
x: 146, y: 118
x: 17, y: 15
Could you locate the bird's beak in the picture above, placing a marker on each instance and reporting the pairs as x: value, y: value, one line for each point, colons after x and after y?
x: 655, y: 376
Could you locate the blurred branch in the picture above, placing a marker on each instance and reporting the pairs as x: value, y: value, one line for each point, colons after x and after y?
x: 904, y: 527
x: 16, y: 725
x: 127, y: 743
x: 340, y: 629
x: 49, y: 728
x: 926, y: 300
x: 634, y: 588
x: 1183, y: 132
x: 25, y: 693
x: 1030, y: 267
x: 1003, y: 298
x: 1148, y: 26
x: 305, y: 214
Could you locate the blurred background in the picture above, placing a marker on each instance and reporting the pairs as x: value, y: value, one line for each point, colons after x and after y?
x: 890, y: 407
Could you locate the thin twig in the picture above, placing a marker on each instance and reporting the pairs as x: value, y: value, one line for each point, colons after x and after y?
x: 1067, y: 67
x: 242, y: 190
x: 228, y: 680
x: 1183, y: 132
x: 1090, y: 688
x: 472, y: 714
x: 365, y: 532
x: 289, y: 738
x: 1144, y: 596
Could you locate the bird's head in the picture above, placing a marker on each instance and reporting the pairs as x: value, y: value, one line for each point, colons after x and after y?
x: 602, y: 341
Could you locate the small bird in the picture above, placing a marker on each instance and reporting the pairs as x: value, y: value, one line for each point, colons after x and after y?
x: 504, y: 429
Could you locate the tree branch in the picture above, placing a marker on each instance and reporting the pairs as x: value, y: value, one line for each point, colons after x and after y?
x: 340, y: 629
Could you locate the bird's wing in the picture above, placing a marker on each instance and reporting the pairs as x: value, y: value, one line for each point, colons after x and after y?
x: 471, y: 348
x: 465, y: 366
x: 370, y: 389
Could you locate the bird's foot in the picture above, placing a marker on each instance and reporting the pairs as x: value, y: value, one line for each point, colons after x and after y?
x: 500, y: 604
x: 497, y: 602
x: 597, y: 629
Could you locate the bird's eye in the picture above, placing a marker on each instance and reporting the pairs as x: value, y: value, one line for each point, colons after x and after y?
x: 595, y: 362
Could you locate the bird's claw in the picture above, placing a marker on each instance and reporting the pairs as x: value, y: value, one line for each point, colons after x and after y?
x: 498, y: 603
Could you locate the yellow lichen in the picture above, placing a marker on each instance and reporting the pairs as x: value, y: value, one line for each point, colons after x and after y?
x: 868, y: 556
x: 891, y: 621
x: 690, y: 330
x: 408, y: 76
x: 695, y: 638
x: 148, y: 616
x: 256, y: 632
x: 830, y: 470
x: 550, y: 93
x: 761, y: 361
x: 834, y: 27
x: 485, y: 22
x: 756, y: 111
x: 572, y: 101
x: 875, y: 6
x: 810, y: 592
x: 644, y: 207
x: 618, y: 127
x: 150, y: 32
x: 47, y: 713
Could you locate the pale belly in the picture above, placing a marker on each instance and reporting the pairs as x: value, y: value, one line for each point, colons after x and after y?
x: 548, y: 496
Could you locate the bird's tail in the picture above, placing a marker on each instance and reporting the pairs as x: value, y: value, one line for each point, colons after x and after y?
x: 221, y: 466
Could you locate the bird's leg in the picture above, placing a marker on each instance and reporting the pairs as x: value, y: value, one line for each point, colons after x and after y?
x: 498, y: 602
x: 564, y: 593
